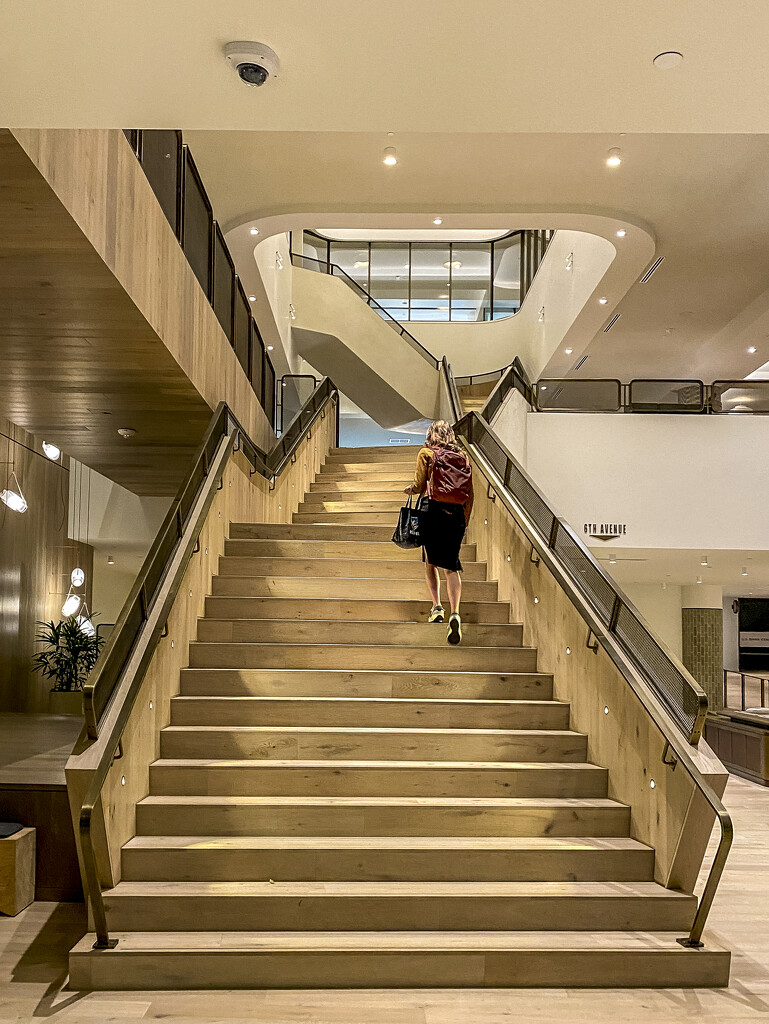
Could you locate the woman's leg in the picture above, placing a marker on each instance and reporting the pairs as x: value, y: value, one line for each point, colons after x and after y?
x: 454, y: 587
x: 433, y: 583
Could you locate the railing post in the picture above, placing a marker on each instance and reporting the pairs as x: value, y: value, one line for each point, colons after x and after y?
x: 553, y: 533
x: 615, y: 610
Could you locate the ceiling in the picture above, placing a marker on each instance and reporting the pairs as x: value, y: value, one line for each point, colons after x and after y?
x: 682, y: 566
x: 703, y: 197
x: 432, y: 66
x: 494, y: 107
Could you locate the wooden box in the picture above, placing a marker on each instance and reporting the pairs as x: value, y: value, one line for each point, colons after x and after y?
x: 17, y: 871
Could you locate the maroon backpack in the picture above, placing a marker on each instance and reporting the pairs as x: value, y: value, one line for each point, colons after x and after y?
x: 451, y: 476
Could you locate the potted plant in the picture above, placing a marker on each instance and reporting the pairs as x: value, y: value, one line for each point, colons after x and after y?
x: 68, y: 655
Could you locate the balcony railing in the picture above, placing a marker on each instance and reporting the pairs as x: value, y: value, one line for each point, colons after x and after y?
x: 671, y: 396
x: 745, y: 691
x: 170, y: 169
x: 321, y: 267
x: 437, y: 281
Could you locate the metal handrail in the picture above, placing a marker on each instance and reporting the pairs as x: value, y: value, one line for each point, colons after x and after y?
x: 332, y: 268
x: 763, y: 686
x: 514, y: 377
x: 229, y: 436
x: 607, y: 637
x: 449, y: 384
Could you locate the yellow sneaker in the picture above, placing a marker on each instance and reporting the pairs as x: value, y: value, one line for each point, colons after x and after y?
x: 437, y: 614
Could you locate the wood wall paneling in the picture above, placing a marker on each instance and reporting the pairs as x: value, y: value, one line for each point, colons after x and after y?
x: 36, y: 558
x: 670, y: 816
x: 98, y: 181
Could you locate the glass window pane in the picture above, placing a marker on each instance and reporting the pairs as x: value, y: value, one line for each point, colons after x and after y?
x: 389, y: 275
x: 507, y: 276
x: 470, y: 281
x: 430, y: 281
x: 352, y: 258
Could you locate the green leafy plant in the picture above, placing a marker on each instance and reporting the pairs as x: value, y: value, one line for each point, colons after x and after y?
x: 68, y: 655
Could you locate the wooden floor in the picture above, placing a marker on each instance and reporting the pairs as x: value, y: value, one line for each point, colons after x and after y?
x: 34, y: 947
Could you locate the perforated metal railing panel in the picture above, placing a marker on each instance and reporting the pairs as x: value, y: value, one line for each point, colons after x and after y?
x: 586, y: 574
x: 671, y: 686
x: 679, y: 694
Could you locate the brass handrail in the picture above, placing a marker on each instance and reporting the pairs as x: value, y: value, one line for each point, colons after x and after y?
x: 674, y: 740
x: 134, y: 666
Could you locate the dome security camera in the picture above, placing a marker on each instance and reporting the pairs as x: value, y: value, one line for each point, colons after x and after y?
x: 254, y: 62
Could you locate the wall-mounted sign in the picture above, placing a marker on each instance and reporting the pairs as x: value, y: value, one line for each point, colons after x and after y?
x: 605, y: 531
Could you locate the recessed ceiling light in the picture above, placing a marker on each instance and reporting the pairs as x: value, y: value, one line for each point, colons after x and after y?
x: 744, y: 570
x: 613, y: 159
x: 405, y: 266
x: 621, y: 233
x: 358, y: 264
x: 390, y: 158
x: 699, y: 579
x: 568, y: 351
x: 454, y: 264
x: 110, y: 560
x: 254, y: 231
x: 270, y: 348
x: 603, y: 300
x: 445, y: 296
x: 252, y: 298
x: 667, y: 60
x: 437, y: 221
x: 126, y: 432
x: 752, y: 349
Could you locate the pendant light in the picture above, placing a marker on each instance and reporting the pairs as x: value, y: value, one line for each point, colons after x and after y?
x: 13, y: 497
x: 71, y: 605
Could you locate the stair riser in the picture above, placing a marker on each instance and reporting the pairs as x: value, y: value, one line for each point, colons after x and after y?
x: 381, y: 456
x: 557, y: 969
x: 267, y: 683
x: 416, y: 715
x: 207, y: 865
x: 290, y: 531
x: 372, y: 569
x: 371, y: 746
x: 396, y: 475
x: 343, y: 589
x: 371, y: 611
x: 213, y: 780
x: 395, y: 634
x: 430, y: 659
x: 392, y: 493
x: 169, y: 819
x: 391, y: 506
x: 330, y: 549
x: 355, y: 518
x: 406, y: 465
x: 368, y: 484
x: 393, y: 913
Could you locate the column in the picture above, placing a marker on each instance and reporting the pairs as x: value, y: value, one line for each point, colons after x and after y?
x: 702, y: 634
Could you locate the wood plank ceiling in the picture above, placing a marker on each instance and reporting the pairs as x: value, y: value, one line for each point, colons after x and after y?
x: 77, y: 358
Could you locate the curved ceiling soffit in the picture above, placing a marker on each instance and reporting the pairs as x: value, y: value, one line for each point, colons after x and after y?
x: 633, y: 252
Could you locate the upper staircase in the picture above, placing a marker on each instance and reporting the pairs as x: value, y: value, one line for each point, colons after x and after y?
x: 344, y: 800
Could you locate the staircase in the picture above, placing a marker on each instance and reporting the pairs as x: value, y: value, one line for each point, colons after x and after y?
x: 344, y: 800
x: 475, y: 396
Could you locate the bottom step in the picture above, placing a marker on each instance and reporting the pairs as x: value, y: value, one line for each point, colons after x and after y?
x: 252, y: 960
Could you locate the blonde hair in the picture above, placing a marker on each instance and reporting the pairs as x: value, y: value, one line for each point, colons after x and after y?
x: 441, y: 435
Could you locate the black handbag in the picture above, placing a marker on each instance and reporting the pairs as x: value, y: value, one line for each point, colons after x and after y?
x: 408, y: 531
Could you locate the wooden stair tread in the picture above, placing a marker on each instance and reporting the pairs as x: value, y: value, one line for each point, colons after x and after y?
x: 510, y: 844
x: 436, y: 702
x: 401, y: 890
x: 507, y: 803
x: 594, y: 941
x: 341, y: 764
x: 356, y: 730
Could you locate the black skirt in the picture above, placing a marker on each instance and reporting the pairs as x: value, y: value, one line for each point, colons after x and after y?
x: 443, y: 528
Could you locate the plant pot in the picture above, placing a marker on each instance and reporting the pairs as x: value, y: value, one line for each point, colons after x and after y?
x: 65, y: 702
